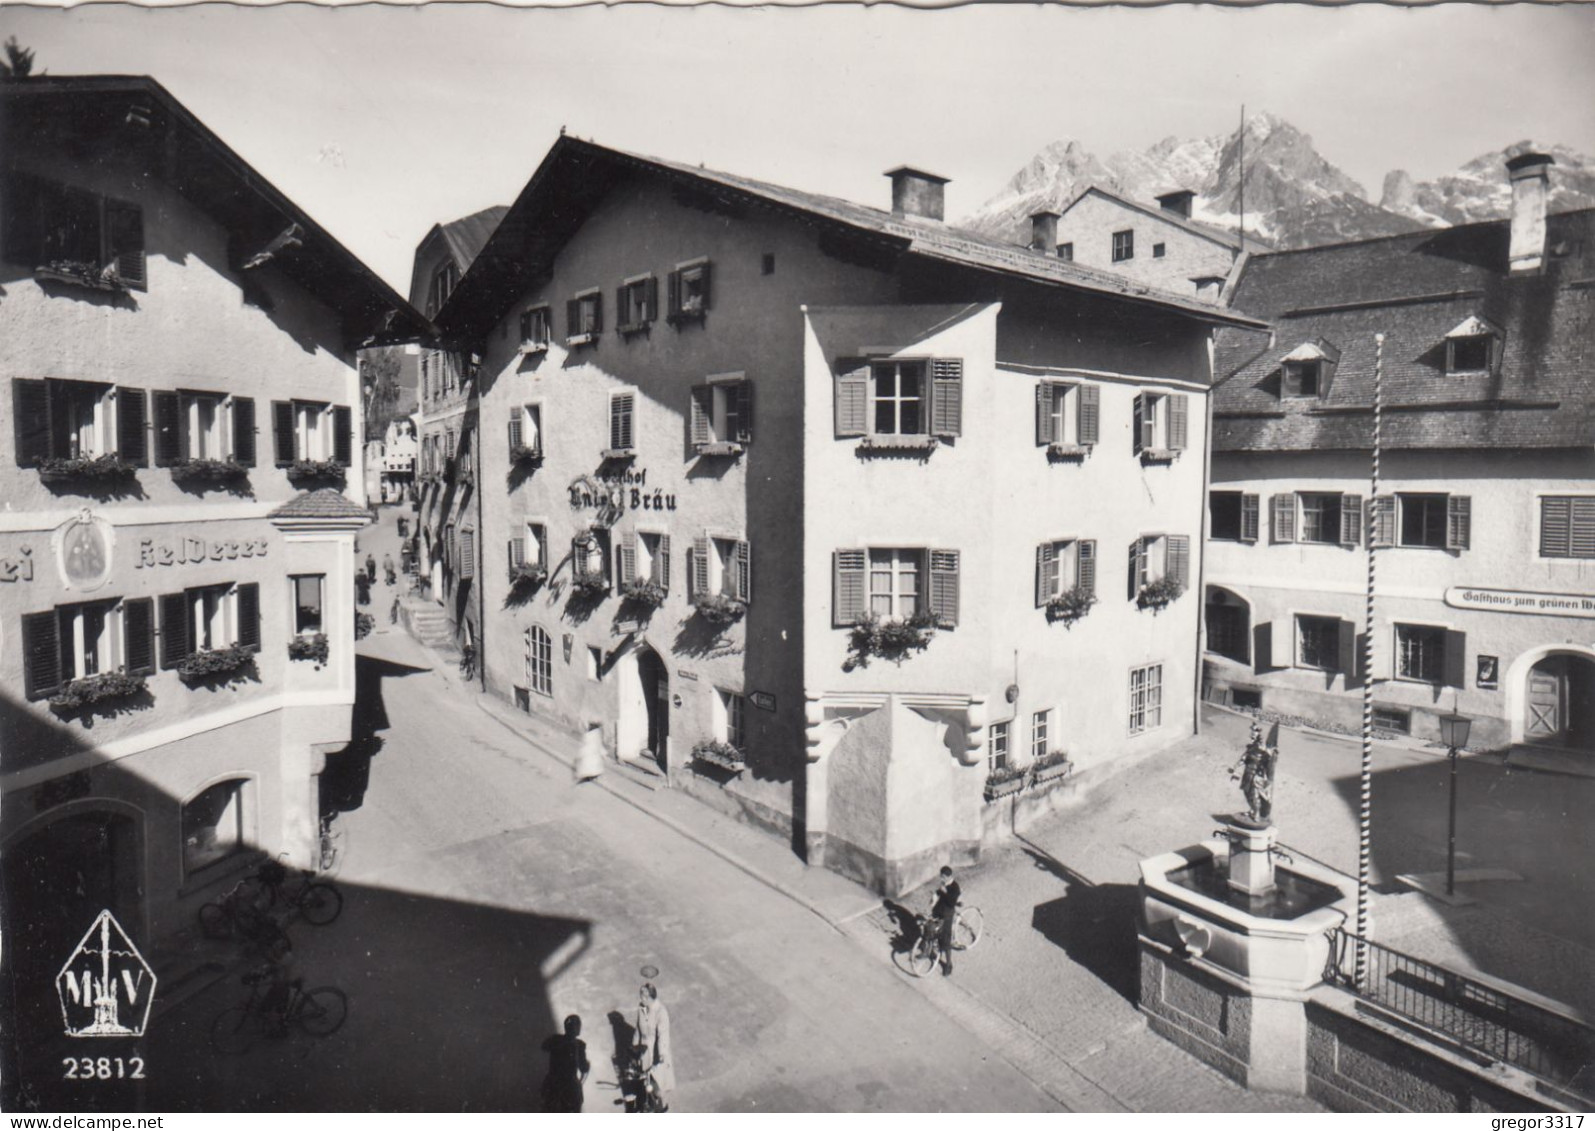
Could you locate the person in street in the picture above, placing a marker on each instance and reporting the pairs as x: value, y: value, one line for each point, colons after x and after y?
x: 567, y: 1068
x: 943, y: 914
x: 590, y: 758
x: 404, y: 527
x: 653, y: 1039
x: 390, y: 575
x: 362, y: 588
x: 371, y: 569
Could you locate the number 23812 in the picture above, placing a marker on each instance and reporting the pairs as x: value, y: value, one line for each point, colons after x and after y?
x: 102, y: 1068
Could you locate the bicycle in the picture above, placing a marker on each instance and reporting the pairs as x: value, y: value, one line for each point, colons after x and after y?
x: 240, y: 914
x: 318, y: 902
x: 468, y: 662
x: 330, y: 846
x: 637, y: 1090
x: 319, y: 1012
x: 921, y: 958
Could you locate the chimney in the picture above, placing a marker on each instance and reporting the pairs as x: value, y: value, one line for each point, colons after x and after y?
x: 1208, y: 287
x: 916, y: 193
x: 1043, y: 231
x: 1531, y: 183
x: 1178, y: 202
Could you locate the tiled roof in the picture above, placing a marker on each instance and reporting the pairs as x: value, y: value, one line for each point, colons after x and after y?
x: 467, y: 235
x: 325, y: 502
x: 1195, y: 227
x: 1414, y: 289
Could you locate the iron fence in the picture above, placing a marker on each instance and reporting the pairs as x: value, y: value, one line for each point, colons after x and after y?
x: 1480, y: 1016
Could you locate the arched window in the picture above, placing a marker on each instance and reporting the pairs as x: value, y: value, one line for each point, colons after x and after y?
x: 539, y: 660
x: 216, y: 823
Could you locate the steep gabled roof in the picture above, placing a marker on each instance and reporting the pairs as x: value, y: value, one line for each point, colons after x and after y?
x: 1195, y: 227
x: 461, y: 239
x: 575, y: 175
x: 136, y: 117
x: 1416, y: 288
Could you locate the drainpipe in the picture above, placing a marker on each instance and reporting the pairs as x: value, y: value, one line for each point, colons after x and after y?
x: 474, y: 408
x: 1201, y: 557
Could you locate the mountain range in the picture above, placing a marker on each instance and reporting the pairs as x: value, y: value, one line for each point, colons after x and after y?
x: 1294, y: 196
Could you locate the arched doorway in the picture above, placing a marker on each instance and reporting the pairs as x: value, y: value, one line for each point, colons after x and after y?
x: 642, y: 727
x: 1559, y: 702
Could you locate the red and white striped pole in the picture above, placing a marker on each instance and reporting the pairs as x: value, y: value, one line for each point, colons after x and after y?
x: 1365, y: 805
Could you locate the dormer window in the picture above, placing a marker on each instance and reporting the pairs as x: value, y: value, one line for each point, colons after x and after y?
x: 443, y: 281
x: 1301, y: 378
x: 1471, y: 347
x: 1306, y: 370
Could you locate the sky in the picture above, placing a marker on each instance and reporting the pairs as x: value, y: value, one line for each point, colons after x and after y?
x: 380, y: 121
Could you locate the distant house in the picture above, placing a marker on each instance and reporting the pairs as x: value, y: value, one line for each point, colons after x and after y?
x: 1485, y: 516
x: 1161, y: 246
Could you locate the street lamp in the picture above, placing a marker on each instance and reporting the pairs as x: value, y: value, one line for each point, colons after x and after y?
x: 1454, y: 734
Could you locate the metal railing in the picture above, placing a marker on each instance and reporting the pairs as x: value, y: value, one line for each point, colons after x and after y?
x: 1485, y: 1018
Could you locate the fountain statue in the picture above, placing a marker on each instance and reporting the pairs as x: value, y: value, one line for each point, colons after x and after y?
x: 1255, y: 772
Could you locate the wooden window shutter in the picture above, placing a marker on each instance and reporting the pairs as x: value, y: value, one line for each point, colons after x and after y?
x: 1284, y: 515
x: 1086, y: 551
x: 850, y: 576
x: 700, y: 568
x: 138, y: 635
x: 620, y: 422
x: 1179, y: 421
x: 852, y: 398
x: 1348, y: 650
x: 627, y: 572
x: 662, y: 563
x: 1179, y: 559
x: 1090, y: 413
x: 124, y: 229
x: 516, y: 551
x: 131, y: 444
x: 30, y: 401
x: 1456, y: 659
x: 467, y: 560
x: 704, y: 286
x: 1350, y: 520
x: 526, y: 326
x: 244, y: 430
x: 573, y: 317
x: 249, y: 615
x: 342, y: 435
x: 175, y: 647
x: 1046, y: 572
x: 282, y: 426
x: 1138, y: 425
x: 1383, y: 509
x: 41, y: 654
x: 169, y: 428
x: 1249, y: 518
x: 743, y: 392
x: 1556, y: 526
x: 624, y: 314
x: 1137, y: 567
x: 742, y: 572
x: 597, y: 298
x: 1045, y: 392
x: 541, y: 534
x: 1581, y: 528
x: 651, y: 299
x: 702, y: 413
x: 1262, y: 647
x: 944, y: 587
x: 673, y: 293
x: 947, y: 396
x: 515, y: 431
x: 1458, y: 521
x: 578, y: 557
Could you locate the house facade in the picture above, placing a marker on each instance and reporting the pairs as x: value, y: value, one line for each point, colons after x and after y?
x: 1159, y: 245
x: 836, y: 516
x: 180, y: 512
x: 1484, y: 522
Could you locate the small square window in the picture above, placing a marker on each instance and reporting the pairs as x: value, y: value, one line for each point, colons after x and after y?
x: 1318, y: 643
x: 1392, y: 719
x: 1066, y: 252
x: 1158, y: 251
x: 638, y: 301
x: 1320, y: 518
x: 584, y: 316
x: 689, y: 291
x: 1423, y: 520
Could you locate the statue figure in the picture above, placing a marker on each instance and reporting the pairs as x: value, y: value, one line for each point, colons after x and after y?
x: 1256, y: 773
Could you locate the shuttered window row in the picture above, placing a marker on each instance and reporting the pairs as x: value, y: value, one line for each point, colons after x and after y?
x: 51, y: 225
x: 54, y: 419
x: 895, y: 584
x: 900, y: 398
x: 309, y: 430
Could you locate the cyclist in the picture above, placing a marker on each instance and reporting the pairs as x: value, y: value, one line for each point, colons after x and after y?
x: 943, y: 914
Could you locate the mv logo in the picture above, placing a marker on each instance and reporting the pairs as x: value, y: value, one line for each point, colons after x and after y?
x: 106, y: 987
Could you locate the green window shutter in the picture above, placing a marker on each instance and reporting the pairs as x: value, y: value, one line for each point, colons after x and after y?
x: 1179, y: 559
x: 1044, y: 394
x: 700, y: 568
x: 702, y: 412
x: 620, y: 421
x: 1556, y: 526
x: 138, y: 635
x: 1249, y: 518
x: 514, y: 431
x: 244, y: 430
x: 1458, y: 521
x: 628, y: 560
x: 1456, y: 659
x: 1284, y: 515
x: 249, y: 615
x: 742, y: 563
x: 1179, y: 421
x: 131, y: 444
x: 743, y: 392
x: 1087, y: 552
x: 852, y: 398
x: 175, y: 646
x: 343, y: 435
x: 30, y: 402
x: 1140, y: 426
x: 1383, y: 519
x: 947, y: 396
x: 516, y: 549
x: 1348, y: 650
x: 1581, y: 528
x: 282, y: 427
x: 662, y: 563
x: 43, y: 672
x: 944, y: 587
x: 848, y: 567
x: 1350, y: 519
x: 1090, y: 413
x: 1046, y: 572
x: 169, y: 428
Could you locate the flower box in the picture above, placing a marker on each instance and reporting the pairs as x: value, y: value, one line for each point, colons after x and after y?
x: 581, y: 340
x: 717, y: 608
x: 720, y: 448
x: 589, y: 584
x: 720, y: 754
x: 680, y: 317
x: 888, y: 640
x: 1004, y: 782
x: 81, y: 274
x: 529, y: 348
x: 633, y: 328
x: 84, y: 469
x: 1158, y: 455
x: 1070, y: 605
x: 520, y: 453
x: 617, y: 454
x: 102, y: 688
x: 315, y: 470
x: 1060, y: 450
x: 208, y: 471
x: 1050, y: 766
x: 1157, y: 594
x: 202, y: 666
x: 649, y: 593
x: 888, y: 444
x: 527, y: 576
x: 312, y: 647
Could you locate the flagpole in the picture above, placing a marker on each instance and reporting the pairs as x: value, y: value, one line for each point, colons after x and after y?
x: 1365, y: 784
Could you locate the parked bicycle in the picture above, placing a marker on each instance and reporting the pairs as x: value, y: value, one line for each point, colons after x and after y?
x: 317, y: 901
x: 243, y: 913
x: 272, y: 1006
x: 467, y: 662
x: 330, y: 846
x: 921, y: 957
x: 637, y: 1089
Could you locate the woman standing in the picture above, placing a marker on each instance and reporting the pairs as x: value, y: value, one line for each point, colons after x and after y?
x: 590, y: 758
x: 653, y: 1037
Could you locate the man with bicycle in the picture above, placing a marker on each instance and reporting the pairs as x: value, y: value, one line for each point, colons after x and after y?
x: 943, y: 914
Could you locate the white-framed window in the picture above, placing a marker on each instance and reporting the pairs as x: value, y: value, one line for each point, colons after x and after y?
x: 1318, y: 642
x: 653, y: 558
x: 88, y: 412
x: 1068, y: 413
x: 1040, y: 733
x: 76, y: 641
x: 531, y: 548
x: 312, y: 430
x: 213, y: 617
x: 1146, y: 698
x: 722, y: 411
x: 730, y: 715
x: 207, y: 420
x: 216, y: 822
x: 1324, y: 518
x: 997, y: 753
x: 539, y: 649
x: 92, y: 635
x: 308, y: 592
x: 688, y: 287
x: 896, y: 582
x: 1320, y: 516
x: 62, y: 419
x: 584, y: 317
x: 1232, y: 516
x: 1066, y: 564
x: 537, y: 328
x: 1123, y: 245
x: 1155, y: 557
x: 622, y: 421
x: 722, y: 567
x: 899, y: 396
x: 526, y: 431
x: 1420, y: 653
x: 1567, y: 526
x: 1162, y: 422
x: 637, y: 303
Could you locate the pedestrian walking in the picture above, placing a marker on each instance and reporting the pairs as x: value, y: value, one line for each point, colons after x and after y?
x: 371, y: 569
x: 590, y: 758
x: 362, y: 588
x: 389, y: 573
x: 653, y: 1038
x: 567, y: 1068
x: 404, y: 527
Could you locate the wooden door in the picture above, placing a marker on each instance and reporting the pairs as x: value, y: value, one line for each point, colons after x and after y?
x: 1546, y: 702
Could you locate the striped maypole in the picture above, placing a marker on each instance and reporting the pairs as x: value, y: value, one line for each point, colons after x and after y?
x: 1365, y: 806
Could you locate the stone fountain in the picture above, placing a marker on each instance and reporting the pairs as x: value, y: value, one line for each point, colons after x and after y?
x: 1231, y: 943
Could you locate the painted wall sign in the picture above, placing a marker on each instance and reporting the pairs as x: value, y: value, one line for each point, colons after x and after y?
x: 18, y: 569
x: 610, y: 495
x: 763, y: 700
x: 192, y: 550
x: 685, y: 674
x: 1488, y: 671
x: 1522, y: 601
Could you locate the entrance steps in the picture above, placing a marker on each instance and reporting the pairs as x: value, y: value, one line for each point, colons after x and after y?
x: 428, y: 623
